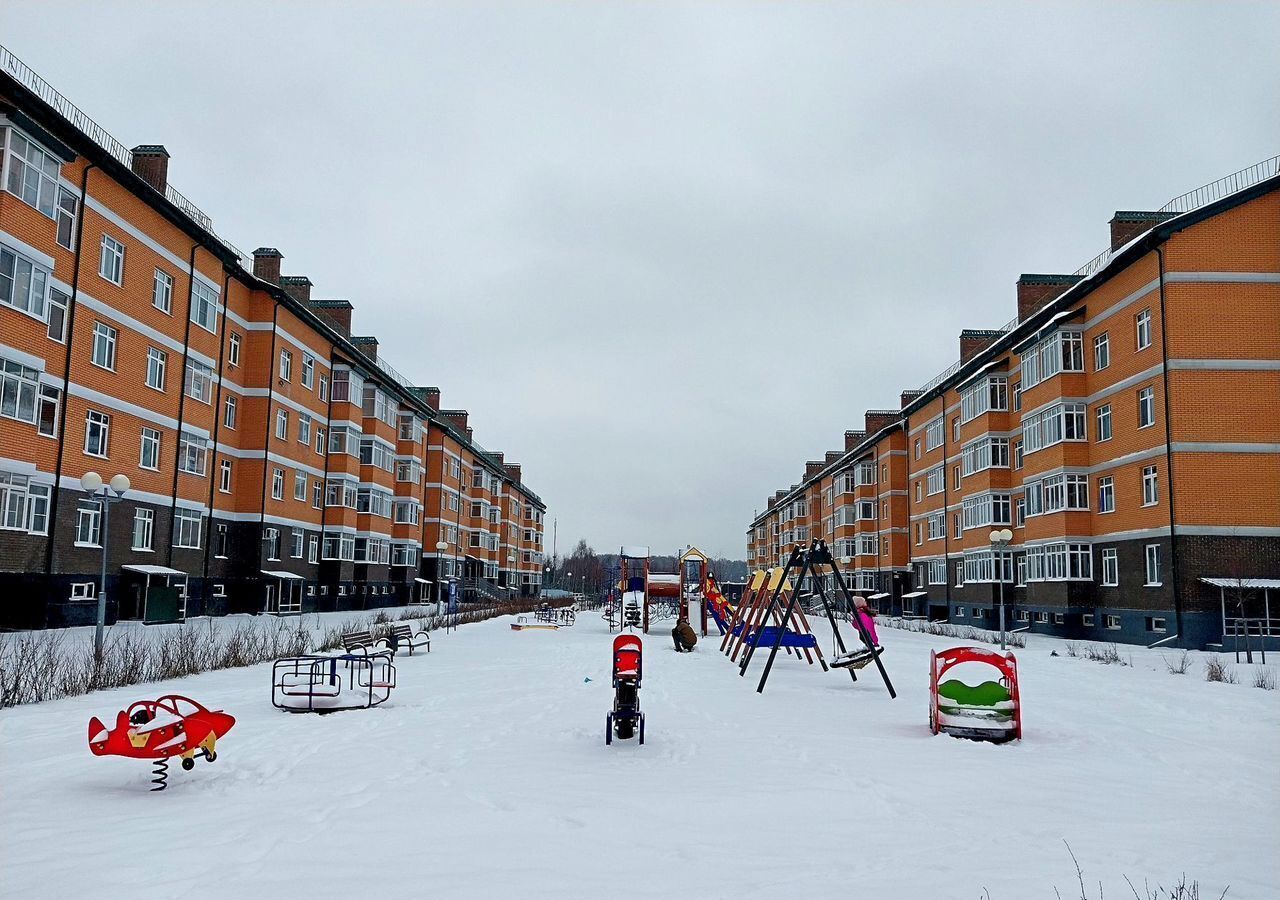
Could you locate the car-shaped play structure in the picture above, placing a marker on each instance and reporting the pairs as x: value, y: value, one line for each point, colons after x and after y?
x: 626, y: 719
x: 988, y: 711
x: 159, y: 730
x: 322, y: 684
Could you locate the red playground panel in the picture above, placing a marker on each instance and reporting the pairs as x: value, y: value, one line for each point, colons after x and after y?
x: 990, y: 711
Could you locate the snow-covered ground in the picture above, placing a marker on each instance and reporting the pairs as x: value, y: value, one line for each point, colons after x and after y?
x: 486, y: 775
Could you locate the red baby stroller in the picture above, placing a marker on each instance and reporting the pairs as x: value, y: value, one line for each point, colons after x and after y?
x: 626, y: 717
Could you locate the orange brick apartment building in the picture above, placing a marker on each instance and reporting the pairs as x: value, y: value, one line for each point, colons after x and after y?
x: 1125, y: 425
x: 278, y: 463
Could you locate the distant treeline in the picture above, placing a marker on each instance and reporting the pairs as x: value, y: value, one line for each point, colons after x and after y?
x: 585, y: 569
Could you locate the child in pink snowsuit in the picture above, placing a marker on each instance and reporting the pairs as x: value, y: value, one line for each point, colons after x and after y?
x: 863, y: 612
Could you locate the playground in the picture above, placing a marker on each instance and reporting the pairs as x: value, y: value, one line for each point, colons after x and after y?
x: 486, y: 774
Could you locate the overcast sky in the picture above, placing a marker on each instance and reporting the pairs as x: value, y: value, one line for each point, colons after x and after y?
x: 666, y: 253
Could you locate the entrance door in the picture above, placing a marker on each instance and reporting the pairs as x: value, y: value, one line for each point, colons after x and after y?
x: 271, y: 598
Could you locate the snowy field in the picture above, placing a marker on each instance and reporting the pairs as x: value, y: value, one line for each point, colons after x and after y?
x: 486, y: 775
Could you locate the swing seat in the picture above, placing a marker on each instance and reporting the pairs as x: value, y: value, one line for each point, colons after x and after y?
x: 855, y: 659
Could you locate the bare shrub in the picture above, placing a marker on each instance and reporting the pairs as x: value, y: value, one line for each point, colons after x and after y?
x: 946, y: 629
x: 1264, y: 678
x: 1073, y: 649
x: 1107, y: 654
x: 1217, y: 670
x: 1180, y: 664
x: 1181, y: 890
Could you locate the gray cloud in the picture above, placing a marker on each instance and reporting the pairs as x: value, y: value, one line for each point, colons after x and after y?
x: 664, y: 253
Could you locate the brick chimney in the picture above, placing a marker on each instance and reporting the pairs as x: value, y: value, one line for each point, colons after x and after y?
x: 150, y: 162
x: 1034, y: 291
x: 336, y: 312
x: 771, y: 502
x: 366, y: 345
x: 431, y: 396
x: 470, y: 434
x: 513, y: 471
x: 832, y: 456
x: 266, y: 264
x: 972, y: 340
x: 812, y: 467
x: 1128, y: 224
x: 906, y: 398
x: 852, y: 439
x: 877, y: 419
x: 456, y: 418
x: 297, y: 286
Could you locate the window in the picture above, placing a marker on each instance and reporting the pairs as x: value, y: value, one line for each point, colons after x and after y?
x: 1153, y: 565
x: 959, y: 612
x: 57, y: 315
x: 157, y: 363
x: 1101, y: 352
x: 277, y: 483
x: 1061, y: 422
x: 1024, y: 615
x: 282, y: 424
x: 955, y: 429
x: 233, y: 350
x: 935, y: 481
x: 322, y: 441
x: 68, y: 206
x: 987, y: 566
x: 1146, y: 407
x: 1102, y: 423
x: 406, y: 512
x: 323, y: 392
x: 204, y: 306
x: 149, y: 457
x: 296, y: 544
x: 193, y: 453
x: 983, y: 396
x: 937, y: 571
x: 1056, y: 493
x: 1150, y: 486
x: 955, y: 477
x: 1106, y: 494
x: 300, y: 488
x: 111, y: 260
x: 1021, y: 569
x: 917, y: 448
x: 1020, y: 512
x: 104, y: 346
x: 1157, y: 624
x: 1059, y: 562
x: 987, y: 453
x: 986, y: 509
x: 317, y: 493
x: 960, y: 574
x: 23, y: 284
x: 375, y: 452
x: 1062, y: 351
x: 933, y: 434
x: 229, y: 406
x: 339, y: 492
x: 272, y: 540
x: 936, y: 526
x: 89, y: 523
x: 143, y: 525
x: 1086, y: 619
x: 33, y: 173
x: 866, y: 510
x: 19, y: 389
x: 224, y: 476
x: 97, y: 433
x: 1042, y: 618
x: 162, y: 291
x: 1017, y: 395
x: 198, y: 382
x: 308, y: 370
x: 1017, y: 454
x: 286, y: 365
x: 348, y: 386
x: 1113, y: 622
x: 1142, y: 330
x: 304, y: 429
x: 313, y: 548
x: 1110, y: 567
x: 23, y: 506
x: 919, y: 491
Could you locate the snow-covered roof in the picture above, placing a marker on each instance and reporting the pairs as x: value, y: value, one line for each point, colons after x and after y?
x: 879, y: 596
x: 1272, y: 584
x: 664, y: 579
x: 634, y: 552
x: 914, y: 594
x: 288, y: 575
x: 147, y: 569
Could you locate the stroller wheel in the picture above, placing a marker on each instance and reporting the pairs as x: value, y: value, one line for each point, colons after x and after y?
x: 608, y: 729
x: 641, y: 728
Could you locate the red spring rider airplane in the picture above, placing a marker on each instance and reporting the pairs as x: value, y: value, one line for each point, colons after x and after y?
x: 161, y: 729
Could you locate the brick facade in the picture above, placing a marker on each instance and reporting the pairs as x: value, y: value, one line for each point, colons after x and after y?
x: 276, y: 462
x: 1125, y: 426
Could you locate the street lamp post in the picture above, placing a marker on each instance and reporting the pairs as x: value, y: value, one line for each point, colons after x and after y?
x: 1000, y: 539
x: 441, y: 546
x: 93, y: 485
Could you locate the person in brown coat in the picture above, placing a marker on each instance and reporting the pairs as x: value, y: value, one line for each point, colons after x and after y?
x: 684, y: 636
